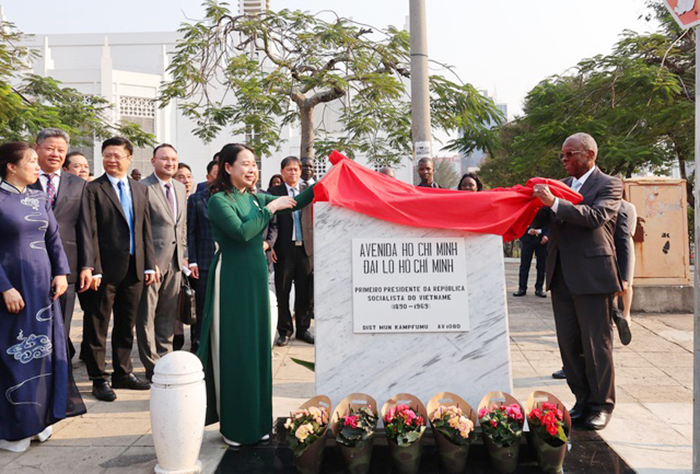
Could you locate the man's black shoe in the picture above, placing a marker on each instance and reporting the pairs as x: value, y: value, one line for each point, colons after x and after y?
x: 131, y: 382
x: 559, y: 374
x: 306, y: 337
x: 520, y: 293
x: 578, y: 413
x: 102, y: 391
x: 597, y: 420
x: 540, y: 293
x: 283, y: 341
x: 623, y: 328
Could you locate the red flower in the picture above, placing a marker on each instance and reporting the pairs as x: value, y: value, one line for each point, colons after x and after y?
x: 351, y: 421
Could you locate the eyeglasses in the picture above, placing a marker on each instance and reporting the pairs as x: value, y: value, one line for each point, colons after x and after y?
x: 569, y: 154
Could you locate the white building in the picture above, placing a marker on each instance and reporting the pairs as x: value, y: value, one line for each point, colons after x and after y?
x: 127, y: 69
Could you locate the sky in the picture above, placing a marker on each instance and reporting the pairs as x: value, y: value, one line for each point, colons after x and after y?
x: 505, y: 47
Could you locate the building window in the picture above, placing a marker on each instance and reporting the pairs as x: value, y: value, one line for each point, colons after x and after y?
x: 142, y: 112
x: 320, y: 166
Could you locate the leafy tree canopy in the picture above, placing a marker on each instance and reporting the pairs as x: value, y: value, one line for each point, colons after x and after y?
x: 29, y: 103
x: 259, y: 73
x: 638, y: 102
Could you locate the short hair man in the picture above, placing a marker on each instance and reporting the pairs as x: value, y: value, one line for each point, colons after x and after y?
x: 388, y: 171
x: 155, y: 321
x: 184, y: 175
x: 212, y: 173
x: 69, y: 198
x: 200, y: 244
x: 426, y: 169
x: 582, y: 274
x: 136, y: 174
x: 121, y: 217
x: 294, y: 259
x: 76, y: 164
x: 307, y: 171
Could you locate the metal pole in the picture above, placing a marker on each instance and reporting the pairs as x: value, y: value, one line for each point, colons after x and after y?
x: 420, y: 96
x: 696, y: 332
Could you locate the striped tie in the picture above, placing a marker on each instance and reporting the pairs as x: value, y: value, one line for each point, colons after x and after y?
x: 50, y: 188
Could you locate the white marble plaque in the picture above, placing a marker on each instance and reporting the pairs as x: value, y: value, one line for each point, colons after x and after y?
x: 409, y: 285
x: 469, y: 363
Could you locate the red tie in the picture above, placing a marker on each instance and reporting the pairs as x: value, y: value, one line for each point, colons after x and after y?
x: 50, y: 188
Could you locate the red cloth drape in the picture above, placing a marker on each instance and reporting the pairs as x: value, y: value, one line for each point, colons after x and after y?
x: 501, y: 211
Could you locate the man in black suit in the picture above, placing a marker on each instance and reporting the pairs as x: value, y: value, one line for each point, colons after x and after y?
x: 534, y: 241
x: 582, y: 274
x: 68, y: 196
x: 122, y: 227
x: 293, y: 264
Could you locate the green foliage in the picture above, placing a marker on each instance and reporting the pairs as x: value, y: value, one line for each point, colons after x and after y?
x: 304, y: 363
x: 258, y: 73
x: 503, y: 425
x: 356, y: 427
x: 29, y: 103
x: 638, y: 103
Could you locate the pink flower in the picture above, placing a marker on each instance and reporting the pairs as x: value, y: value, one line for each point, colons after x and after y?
x: 351, y: 421
x: 493, y: 423
x: 484, y: 411
x: 514, y: 412
x: 390, y: 414
x: 420, y: 421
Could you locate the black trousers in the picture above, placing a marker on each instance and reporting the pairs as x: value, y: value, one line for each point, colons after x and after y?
x: 585, y: 336
x: 293, y: 268
x: 528, y: 248
x: 199, y: 285
x: 123, y: 298
x: 67, y: 302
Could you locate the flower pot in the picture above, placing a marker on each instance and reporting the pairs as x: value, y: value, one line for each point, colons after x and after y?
x: 453, y: 457
x: 309, y: 462
x: 406, y: 460
x: 357, y: 459
x: 549, y: 458
x: 505, y: 460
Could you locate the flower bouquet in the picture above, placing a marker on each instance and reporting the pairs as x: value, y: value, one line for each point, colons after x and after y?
x: 453, y: 423
x: 306, y: 434
x: 404, y: 419
x: 501, y: 419
x: 550, y: 425
x: 353, y: 423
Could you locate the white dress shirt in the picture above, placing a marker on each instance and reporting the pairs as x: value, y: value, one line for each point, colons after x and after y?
x: 581, y: 181
x: 56, y: 180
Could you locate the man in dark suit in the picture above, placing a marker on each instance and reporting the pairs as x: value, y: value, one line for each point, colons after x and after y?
x: 200, y: 245
x: 68, y: 196
x: 534, y: 241
x: 122, y: 226
x: 155, y: 323
x: 583, y: 276
x: 293, y: 264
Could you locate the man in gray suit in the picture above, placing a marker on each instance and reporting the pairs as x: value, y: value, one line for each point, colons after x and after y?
x: 68, y: 196
x: 582, y: 273
x: 155, y: 322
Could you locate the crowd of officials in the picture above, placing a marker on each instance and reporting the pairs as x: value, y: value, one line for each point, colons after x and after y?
x: 125, y: 245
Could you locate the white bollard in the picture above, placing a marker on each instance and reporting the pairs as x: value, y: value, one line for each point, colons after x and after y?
x: 178, y: 411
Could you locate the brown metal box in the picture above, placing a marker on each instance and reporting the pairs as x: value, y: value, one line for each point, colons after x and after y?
x: 662, y: 248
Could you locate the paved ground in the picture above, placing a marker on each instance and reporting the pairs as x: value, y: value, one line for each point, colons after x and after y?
x: 651, y: 428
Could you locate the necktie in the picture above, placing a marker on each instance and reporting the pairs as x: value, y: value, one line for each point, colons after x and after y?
x: 296, y: 217
x: 50, y: 188
x: 576, y: 185
x: 171, y: 198
x: 125, y: 200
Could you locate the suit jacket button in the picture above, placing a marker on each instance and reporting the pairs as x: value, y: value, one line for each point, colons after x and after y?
x: 174, y: 242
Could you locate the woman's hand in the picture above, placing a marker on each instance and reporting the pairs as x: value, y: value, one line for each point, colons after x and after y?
x: 284, y: 202
x: 13, y: 300
x: 60, y: 285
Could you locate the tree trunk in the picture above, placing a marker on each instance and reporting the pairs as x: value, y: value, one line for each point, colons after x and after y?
x: 306, y: 113
x: 688, y: 183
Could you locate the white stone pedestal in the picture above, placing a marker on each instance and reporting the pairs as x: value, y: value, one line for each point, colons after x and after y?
x: 469, y: 364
